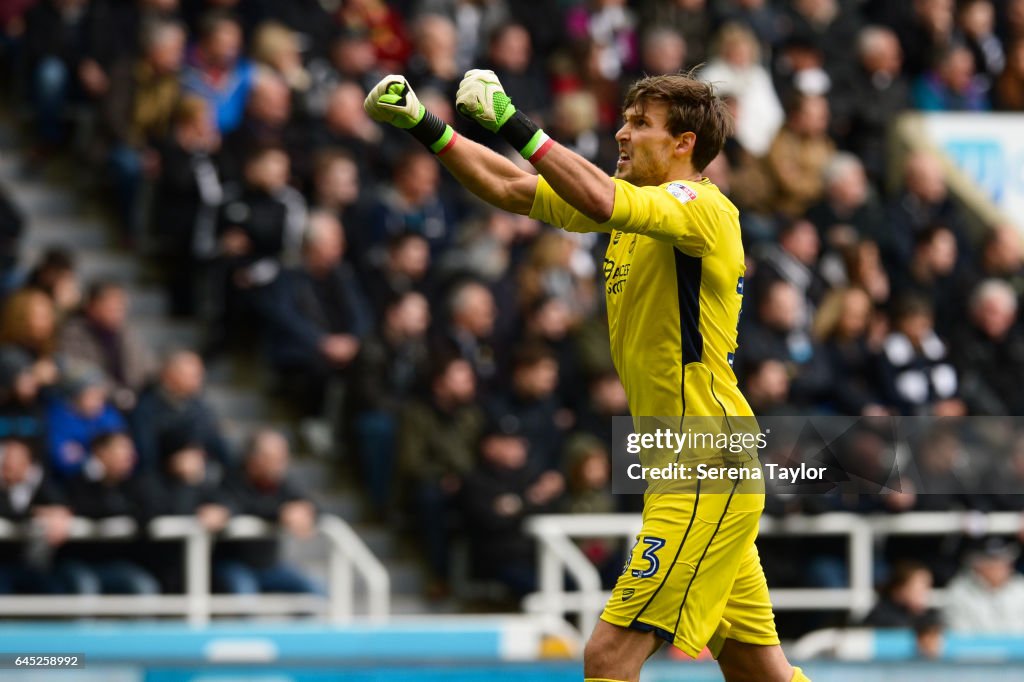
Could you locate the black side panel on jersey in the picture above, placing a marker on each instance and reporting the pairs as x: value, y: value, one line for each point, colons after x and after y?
x: 688, y: 277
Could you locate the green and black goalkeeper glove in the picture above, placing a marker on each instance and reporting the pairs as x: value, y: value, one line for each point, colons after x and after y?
x: 393, y: 101
x: 482, y: 99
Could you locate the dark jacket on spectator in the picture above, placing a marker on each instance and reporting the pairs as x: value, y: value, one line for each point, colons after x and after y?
x: 157, y: 414
x: 991, y: 372
x: 302, y: 309
x: 384, y: 375
x: 266, y: 503
x: 498, y: 541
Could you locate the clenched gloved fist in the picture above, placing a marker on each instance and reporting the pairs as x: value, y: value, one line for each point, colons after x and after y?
x: 393, y: 101
x: 482, y: 99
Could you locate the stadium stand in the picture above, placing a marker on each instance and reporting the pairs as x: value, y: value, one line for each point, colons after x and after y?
x: 227, y: 293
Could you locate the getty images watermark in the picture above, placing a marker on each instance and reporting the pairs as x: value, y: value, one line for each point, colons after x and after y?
x: 819, y: 455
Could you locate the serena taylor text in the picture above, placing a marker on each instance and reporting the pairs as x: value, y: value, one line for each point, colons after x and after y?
x: 709, y: 472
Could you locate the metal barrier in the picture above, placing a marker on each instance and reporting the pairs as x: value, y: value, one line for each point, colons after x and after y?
x: 560, y: 556
x: 348, y: 557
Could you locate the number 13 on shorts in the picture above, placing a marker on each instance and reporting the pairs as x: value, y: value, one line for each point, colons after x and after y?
x: 648, y: 562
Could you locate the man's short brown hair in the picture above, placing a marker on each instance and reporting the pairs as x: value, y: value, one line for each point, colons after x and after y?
x: 693, y: 106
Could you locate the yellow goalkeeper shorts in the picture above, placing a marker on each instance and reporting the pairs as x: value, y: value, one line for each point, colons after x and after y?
x: 694, y: 576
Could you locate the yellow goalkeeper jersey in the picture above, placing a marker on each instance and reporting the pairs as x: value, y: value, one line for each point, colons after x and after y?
x: 674, y: 285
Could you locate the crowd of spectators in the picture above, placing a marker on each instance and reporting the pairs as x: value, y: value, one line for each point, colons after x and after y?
x: 469, y: 346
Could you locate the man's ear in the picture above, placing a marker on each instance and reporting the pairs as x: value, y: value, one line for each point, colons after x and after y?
x: 685, y: 143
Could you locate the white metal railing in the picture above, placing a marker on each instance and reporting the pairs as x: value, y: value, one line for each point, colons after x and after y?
x: 559, y: 555
x: 348, y: 556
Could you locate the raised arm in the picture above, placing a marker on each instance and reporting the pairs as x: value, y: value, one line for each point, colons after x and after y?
x: 482, y: 171
x: 578, y: 182
x: 490, y: 176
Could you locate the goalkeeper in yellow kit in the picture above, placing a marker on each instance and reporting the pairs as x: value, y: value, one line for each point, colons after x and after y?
x: 674, y: 283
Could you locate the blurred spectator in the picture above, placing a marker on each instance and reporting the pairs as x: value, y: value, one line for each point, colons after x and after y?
x: 351, y: 57
x: 137, y: 115
x: 952, y: 86
x: 759, y: 16
x: 552, y: 270
x: 690, y: 20
x: 107, y: 489
x: 575, y: 121
x: 384, y: 25
x: 406, y: 267
x: 987, y: 596
x: 433, y: 65
x: 793, y: 259
x: 217, y: 72
x: 101, y: 336
x: 610, y: 27
x: 1005, y: 481
x: 906, y: 598
x: 179, y: 484
x: 186, y: 200
x: 436, y: 449
x: 799, y: 155
x: 510, y: 56
x: 989, y: 352
x: 12, y: 224
x: 174, y: 404
x: 21, y: 409
x: 475, y: 21
x: 387, y: 369
x: 927, y: 34
x: 260, y: 232
x: 261, y: 488
x: 735, y: 64
x: 588, y: 491
x: 766, y: 385
x: 76, y: 418
x: 309, y: 20
x: 498, y: 495
x: 532, y: 401
x: 799, y: 68
x: 267, y: 122
x: 411, y: 203
x: 28, y: 321
x: 553, y: 325
x: 781, y: 332
x: 346, y: 126
x: 943, y: 478
x: 56, y: 38
x: 829, y: 24
x: 606, y: 399
x: 128, y: 21
x: 54, y: 275
x: 1008, y: 93
x: 875, y: 92
x: 841, y: 327
x: 662, y: 51
x: 277, y: 47
x: 918, y: 378
x: 929, y: 636
x: 849, y: 210
x: 924, y: 202
x: 336, y: 185
x: 469, y: 331
x: 976, y: 21
x: 1002, y: 258
x: 930, y: 275
x: 863, y: 264
x: 27, y: 494
x: 316, y: 314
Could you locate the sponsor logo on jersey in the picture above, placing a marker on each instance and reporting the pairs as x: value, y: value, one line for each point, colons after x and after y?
x: 628, y: 593
x: 681, y: 192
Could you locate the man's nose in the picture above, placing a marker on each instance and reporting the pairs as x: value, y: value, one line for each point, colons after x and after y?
x: 623, y: 133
